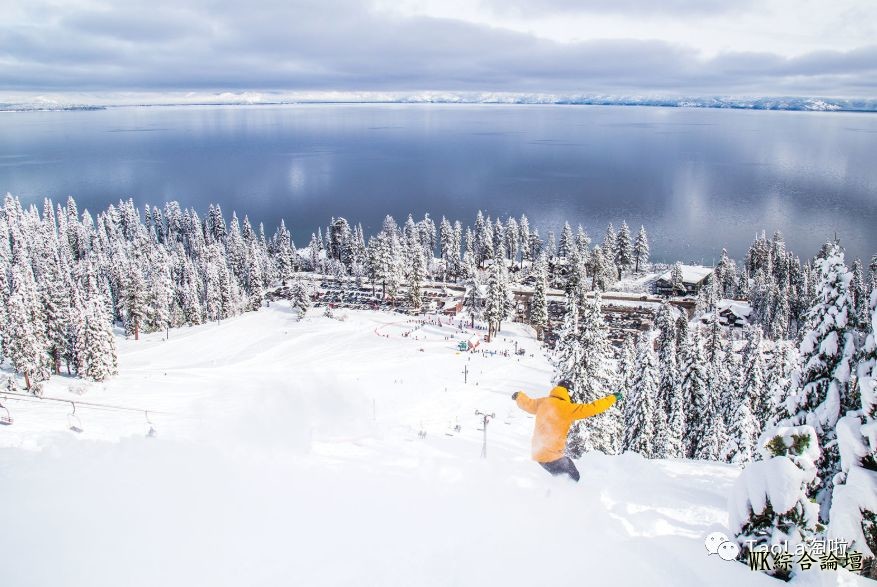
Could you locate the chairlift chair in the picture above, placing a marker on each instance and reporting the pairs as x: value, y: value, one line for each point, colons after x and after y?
x: 5, y: 418
x: 73, y: 420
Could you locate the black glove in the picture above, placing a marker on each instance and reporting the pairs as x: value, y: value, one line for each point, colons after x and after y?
x: 515, y: 395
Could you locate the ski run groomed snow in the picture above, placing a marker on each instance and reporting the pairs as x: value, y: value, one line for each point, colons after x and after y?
x: 327, y: 451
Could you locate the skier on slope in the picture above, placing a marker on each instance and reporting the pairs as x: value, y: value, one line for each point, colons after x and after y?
x: 554, y: 415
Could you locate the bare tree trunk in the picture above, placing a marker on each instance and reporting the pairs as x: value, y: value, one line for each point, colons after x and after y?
x: 26, y: 380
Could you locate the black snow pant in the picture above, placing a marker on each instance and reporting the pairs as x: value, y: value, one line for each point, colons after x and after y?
x: 563, y: 465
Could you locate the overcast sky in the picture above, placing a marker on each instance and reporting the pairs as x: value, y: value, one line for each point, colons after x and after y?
x: 661, y: 47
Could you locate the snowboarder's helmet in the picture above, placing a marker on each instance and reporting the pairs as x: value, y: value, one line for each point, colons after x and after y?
x: 565, y: 383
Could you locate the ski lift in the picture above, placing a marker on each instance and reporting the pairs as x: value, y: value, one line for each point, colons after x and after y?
x: 73, y: 420
x: 150, y: 431
x: 5, y: 419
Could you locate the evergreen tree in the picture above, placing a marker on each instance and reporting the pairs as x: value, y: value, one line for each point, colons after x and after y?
x: 768, y: 504
x: 539, y: 303
x: 135, y: 299
x: 446, y: 244
x: 779, y: 380
x: 639, y: 431
x: 726, y: 274
x: 859, y: 294
x: 753, y: 382
x: 567, y: 349
x: 472, y: 301
x: 822, y: 383
x: 566, y: 243
x: 55, y: 294
x: 591, y: 378
x: 24, y: 335
x: 415, y: 286
x: 694, y: 390
x: 676, y: 279
x: 641, y: 249
x: 609, y: 240
x: 742, y: 434
x: 526, y: 246
x: 853, y: 512
x: 583, y: 241
x: 99, y: 344
x: 623, y: 249
x: 299, y: 298
x: 669, y: 420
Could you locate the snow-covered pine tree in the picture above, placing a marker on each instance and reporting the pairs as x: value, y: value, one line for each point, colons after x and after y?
x: 99, y: 344
x: 676, y: 279
x: 55, y: 297
x: 551, y: 246
x: 779, y: 380
x: 603, y: 272
x: 853, y: 514
x: 769, y: 504
x: 526, y: 246
x: 24, y: 334
x: 641, y: 249
x: 583, y: 241
x: 742, y: 434
x: 609, y: 240
x: 823, y: 382
x: 567, y: 349
x: 539, y: 303
x: 536, y: 244
x: 626, y: 367
x: 667, y: 442
x: 566, y: 244
x: 726, y: 275
x: 753, y: 384
x: 446, y: 244
x: 417, y: 279
x: 592, y: 377
x: 498, y: 234
x: 695, y: 394
x: 299, y: 298
x: 639, y: 408
x: 859, y: 294
x: 715, y: 408
x: 623, y: 249
x: 512, y: 239
x: 472, y: 300
x: 135, y: 299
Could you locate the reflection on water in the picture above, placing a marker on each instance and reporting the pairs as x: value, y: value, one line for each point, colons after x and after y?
x: 698, y: 179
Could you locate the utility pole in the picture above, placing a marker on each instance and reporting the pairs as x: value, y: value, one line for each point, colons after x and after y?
x: 466, y: 373
x: 485, y: 418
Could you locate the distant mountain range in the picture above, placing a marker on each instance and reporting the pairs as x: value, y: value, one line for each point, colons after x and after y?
x: 267, y: 98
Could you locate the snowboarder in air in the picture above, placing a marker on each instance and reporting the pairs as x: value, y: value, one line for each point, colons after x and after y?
x: 554, y: 415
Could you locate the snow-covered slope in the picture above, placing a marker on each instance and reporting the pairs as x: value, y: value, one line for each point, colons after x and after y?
x: 291, y: 453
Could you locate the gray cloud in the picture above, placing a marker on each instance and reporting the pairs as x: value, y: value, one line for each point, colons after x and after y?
x: 343, y: 45
x: 636, y: 7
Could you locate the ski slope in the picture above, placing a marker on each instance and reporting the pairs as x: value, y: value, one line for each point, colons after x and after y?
x: 325, y: 452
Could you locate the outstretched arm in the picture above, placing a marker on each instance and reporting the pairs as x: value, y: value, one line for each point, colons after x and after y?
x: 580, y: 411
x: 525, y: 402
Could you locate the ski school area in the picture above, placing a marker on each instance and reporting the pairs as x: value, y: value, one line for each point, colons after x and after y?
x: 345, y: 450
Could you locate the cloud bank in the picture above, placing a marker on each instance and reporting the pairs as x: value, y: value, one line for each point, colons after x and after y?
x: 344, y: 45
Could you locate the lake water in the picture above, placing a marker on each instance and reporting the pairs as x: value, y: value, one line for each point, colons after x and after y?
x: 698, y: 179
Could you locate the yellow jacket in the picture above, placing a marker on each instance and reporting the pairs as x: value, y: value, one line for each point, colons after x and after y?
x: 554, y: 415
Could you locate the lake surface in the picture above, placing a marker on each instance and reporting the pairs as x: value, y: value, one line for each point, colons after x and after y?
x: 698, y: 179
